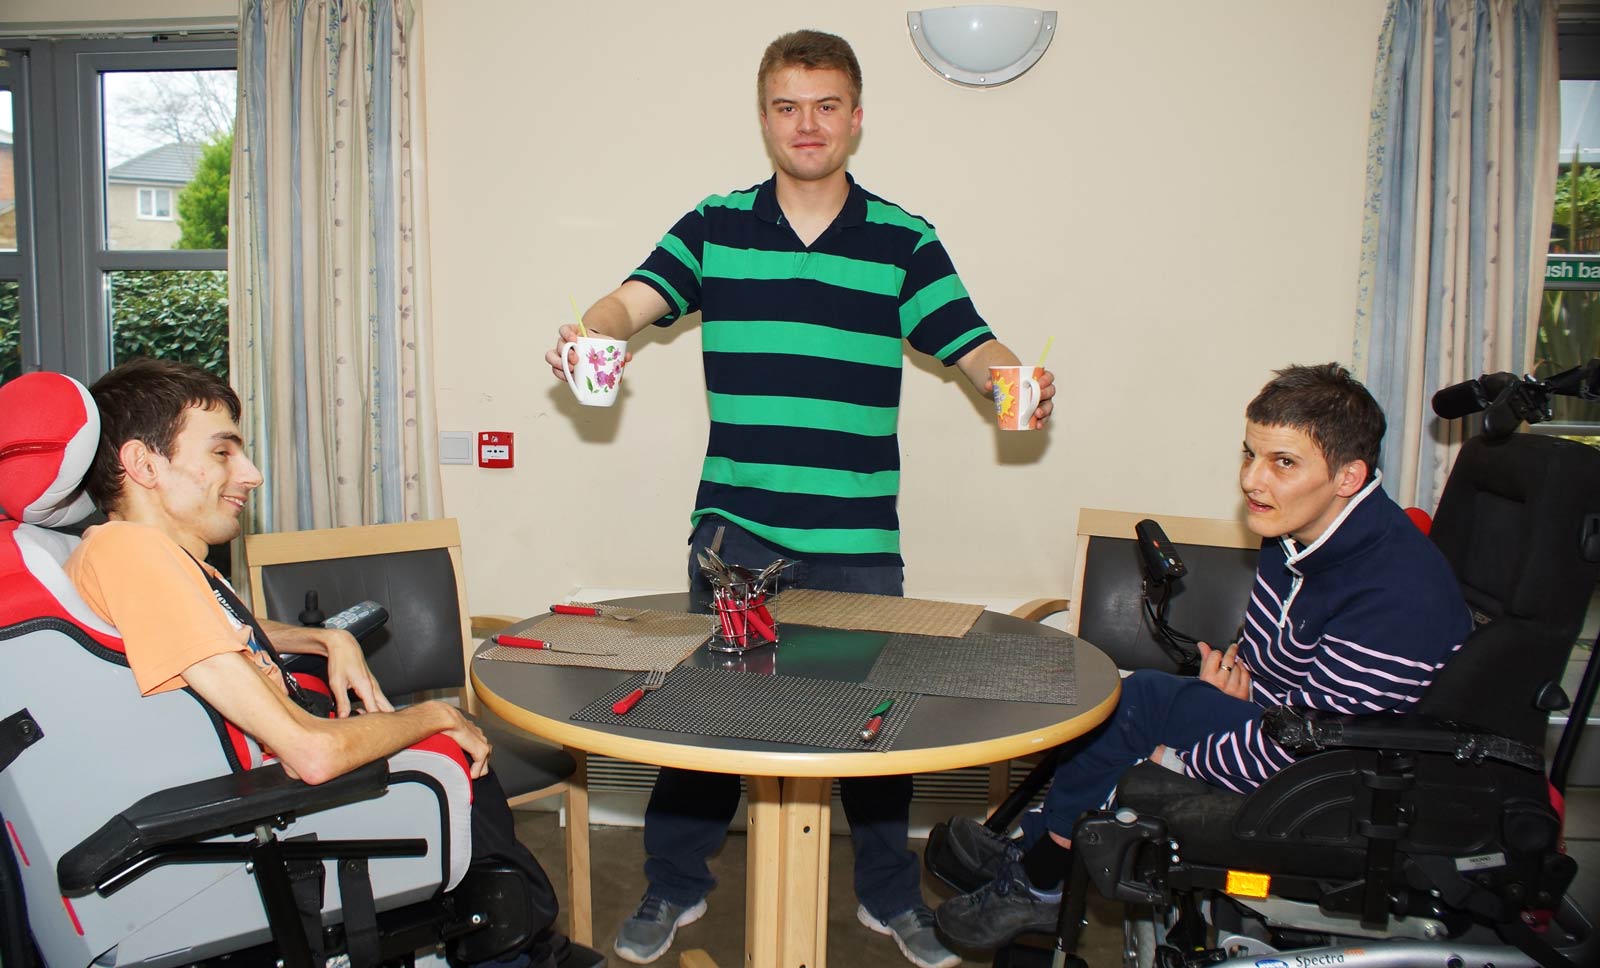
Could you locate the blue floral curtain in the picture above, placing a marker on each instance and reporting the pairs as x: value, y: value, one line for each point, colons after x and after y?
x: 1461, y: 167
x: 330, y: 331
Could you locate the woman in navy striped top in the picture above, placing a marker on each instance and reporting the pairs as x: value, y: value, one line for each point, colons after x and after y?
x: 1353, y: 610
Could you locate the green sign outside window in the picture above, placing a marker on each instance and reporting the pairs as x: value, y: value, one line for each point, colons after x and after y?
x: 1572, y: 268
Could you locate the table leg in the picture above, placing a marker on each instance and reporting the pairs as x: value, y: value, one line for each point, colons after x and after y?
x: 763, y: 871
x: 580, y: 894
x: 806, y: 816
x: 786, y: 901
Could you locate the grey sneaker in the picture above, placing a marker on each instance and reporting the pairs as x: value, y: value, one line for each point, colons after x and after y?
x: 997, y: 913
x: 913, y: 932
x: 966, y: 854
x: 648, y: 934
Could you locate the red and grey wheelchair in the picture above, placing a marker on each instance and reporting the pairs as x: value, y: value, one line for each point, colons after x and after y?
x: 149, y: 830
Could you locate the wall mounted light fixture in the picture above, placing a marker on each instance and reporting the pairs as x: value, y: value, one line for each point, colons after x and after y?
x: 981, y: 46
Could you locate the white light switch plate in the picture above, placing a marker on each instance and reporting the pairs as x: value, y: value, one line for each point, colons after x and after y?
x: 455, y: 447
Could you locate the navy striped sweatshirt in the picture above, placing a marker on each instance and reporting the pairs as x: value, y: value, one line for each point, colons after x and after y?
x: 1358, y: 621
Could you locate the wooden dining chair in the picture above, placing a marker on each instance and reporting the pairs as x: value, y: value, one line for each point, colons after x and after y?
x: 414, y: 570
x: 1105, y: 608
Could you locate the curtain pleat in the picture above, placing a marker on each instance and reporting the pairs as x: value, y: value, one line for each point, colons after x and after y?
x: 1461, y: 166
x: 330, y: 321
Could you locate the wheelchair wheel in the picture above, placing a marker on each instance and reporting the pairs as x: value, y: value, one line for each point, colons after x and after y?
x: 1141, y: 936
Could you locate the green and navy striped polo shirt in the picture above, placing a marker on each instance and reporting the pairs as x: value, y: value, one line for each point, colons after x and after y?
x: 802, y: 361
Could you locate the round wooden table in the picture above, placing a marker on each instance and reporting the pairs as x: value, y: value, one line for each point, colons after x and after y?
x: 788, y: 786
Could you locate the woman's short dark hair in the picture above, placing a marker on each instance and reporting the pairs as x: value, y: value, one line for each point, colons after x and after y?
x: 1328, y: 405
x: 144, y: 399
x: 813, y: 50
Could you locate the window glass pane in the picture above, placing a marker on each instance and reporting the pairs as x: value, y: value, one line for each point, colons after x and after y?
x: 168, y: 154
x: 1575, y: 229
x: 8, y: 176
x: 10, y: 331
x: 1569, y: 334
x: 1569, y: 316
x: 171, y: 315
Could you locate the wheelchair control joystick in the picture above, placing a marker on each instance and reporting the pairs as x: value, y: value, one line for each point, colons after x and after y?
x: 360, y: 619
x: 312, y: 615
x: 1163, y: 567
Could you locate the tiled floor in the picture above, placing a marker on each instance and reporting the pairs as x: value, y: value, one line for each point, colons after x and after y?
x: 618, y: 881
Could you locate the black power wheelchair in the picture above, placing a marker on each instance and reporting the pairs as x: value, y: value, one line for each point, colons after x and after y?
x: 1430, y: 839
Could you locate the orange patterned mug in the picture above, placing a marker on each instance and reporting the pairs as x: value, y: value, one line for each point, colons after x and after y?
x: 1016, y: 395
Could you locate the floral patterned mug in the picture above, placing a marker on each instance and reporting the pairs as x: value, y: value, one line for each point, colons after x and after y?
x: 597, y: 377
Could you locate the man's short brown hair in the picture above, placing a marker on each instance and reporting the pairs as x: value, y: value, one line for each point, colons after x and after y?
x: 813, y: 50
x: 144, y: 399
x: 1328, y: 405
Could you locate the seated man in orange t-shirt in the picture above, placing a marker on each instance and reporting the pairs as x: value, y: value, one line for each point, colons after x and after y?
x: 172, y: 475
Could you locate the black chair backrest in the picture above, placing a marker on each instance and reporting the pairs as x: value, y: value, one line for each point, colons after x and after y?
x: 1207, y: 603
x: 420, y: 648
x: 1512, y: 522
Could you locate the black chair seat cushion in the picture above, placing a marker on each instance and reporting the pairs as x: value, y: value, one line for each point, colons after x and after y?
x: 524, y: 764
x: 1307, y: 820
x: 1200, y: 817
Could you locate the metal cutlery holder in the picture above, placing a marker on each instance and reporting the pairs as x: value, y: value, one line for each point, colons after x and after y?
x: 741, y: 620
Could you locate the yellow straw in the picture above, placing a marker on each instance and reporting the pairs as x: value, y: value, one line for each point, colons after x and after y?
x: 577, y: 315
x: 1046, y: 351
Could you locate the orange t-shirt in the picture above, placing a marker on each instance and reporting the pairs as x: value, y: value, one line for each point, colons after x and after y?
x: 141, y: 581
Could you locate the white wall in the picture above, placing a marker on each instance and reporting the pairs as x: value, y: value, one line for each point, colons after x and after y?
x: 1174, y: 193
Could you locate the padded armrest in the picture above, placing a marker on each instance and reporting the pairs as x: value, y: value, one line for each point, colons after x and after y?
x: 206, y: 808
x: 1312, y: 730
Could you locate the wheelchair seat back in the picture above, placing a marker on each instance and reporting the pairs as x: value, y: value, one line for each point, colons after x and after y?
x: 1513, y: 521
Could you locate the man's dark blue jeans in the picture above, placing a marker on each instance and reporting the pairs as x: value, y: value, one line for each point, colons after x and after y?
x: 689, y: 812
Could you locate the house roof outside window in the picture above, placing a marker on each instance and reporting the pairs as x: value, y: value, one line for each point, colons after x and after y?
x: 173, y: 164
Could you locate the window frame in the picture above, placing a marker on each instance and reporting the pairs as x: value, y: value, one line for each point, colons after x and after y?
x: 33, y: 170
x: 154, y: 214
x: 1578, y: 43
x: 64, y: 263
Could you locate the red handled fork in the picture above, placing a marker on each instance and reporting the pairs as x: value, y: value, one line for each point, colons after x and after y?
x: 652, y: 680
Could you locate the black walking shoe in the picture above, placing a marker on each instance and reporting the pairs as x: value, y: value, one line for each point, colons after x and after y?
x: 967, y: 855
x: 999, y: 912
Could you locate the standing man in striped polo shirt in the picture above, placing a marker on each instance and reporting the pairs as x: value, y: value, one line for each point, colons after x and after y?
x: 806, y: 285
x: 1353, y: 610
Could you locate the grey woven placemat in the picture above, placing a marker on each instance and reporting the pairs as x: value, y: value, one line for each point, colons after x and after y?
x: 777, y: 709
x: 983, y: 665
x: 650, y: 640
x: 879, y: 613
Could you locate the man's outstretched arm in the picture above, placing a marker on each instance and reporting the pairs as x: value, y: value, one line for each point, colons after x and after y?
x: 620, y: 314
x: 317, y: 750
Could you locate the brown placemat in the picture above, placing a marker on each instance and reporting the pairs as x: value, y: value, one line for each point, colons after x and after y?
x: 651, y: 640
x: 879, y: 613
x: 981, y: 665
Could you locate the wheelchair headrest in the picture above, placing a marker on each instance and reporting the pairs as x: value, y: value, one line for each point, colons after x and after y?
x: 49, y: 429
